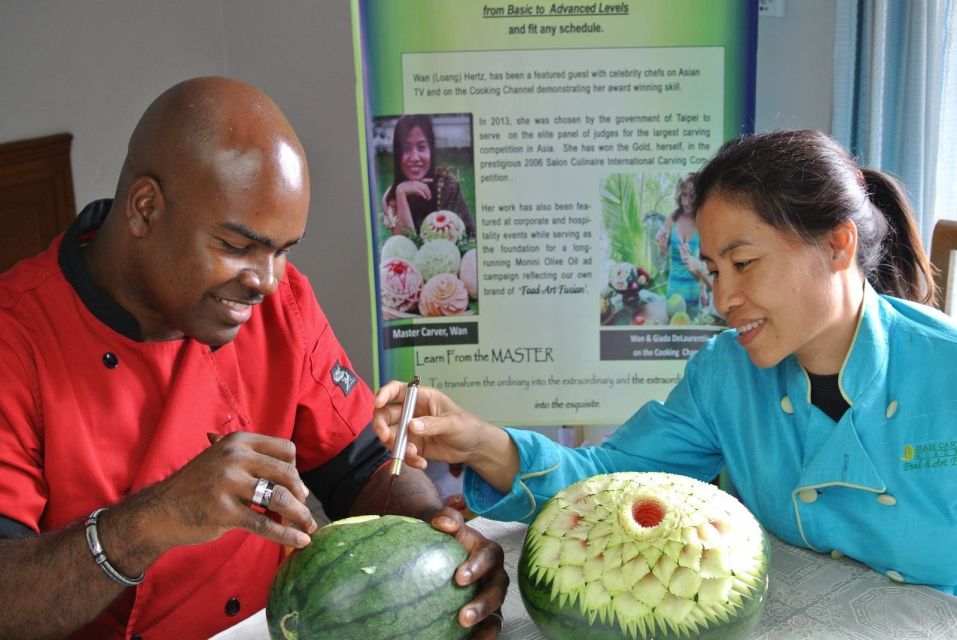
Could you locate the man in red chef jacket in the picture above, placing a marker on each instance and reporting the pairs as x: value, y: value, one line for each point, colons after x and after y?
x: 170, y: 391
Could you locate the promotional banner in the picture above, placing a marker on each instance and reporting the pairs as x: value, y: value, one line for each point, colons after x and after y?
x: 529, y: 180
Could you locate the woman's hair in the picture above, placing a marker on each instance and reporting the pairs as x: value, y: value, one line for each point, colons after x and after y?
x: 803, y: 182
x: 403, y: 127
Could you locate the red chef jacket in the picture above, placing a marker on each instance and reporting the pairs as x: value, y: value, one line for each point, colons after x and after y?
x: 89, y: 416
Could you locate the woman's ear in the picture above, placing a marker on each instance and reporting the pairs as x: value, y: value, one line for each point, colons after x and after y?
x: 842, y: 243
x: 144, y: 205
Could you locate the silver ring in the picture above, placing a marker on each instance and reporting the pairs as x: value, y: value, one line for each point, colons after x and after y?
x: 263, y: 493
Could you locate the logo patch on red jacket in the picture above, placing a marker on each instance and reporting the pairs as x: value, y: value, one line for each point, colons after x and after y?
x: 343, y: 378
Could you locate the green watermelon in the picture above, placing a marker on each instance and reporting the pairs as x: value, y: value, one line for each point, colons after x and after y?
x: 370, y: 578
x: 644, y: 555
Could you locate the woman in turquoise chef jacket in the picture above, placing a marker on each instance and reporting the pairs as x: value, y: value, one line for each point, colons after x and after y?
x: 830, y: 400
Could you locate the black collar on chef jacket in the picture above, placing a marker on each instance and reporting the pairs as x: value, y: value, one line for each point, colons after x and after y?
x: 826, y: 395
x: 101, y: 305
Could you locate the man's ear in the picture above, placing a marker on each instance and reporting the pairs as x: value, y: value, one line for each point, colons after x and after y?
x: 144, y: 206
x: 842, y: 242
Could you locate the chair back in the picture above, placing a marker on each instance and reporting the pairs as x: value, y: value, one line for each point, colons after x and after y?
x: 943, y: 243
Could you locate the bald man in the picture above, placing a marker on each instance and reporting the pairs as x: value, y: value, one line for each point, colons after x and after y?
x: 170, y: 388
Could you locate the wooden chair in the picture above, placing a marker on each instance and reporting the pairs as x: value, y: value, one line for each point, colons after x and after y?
x: 36, y: 195
x: 943, y: 243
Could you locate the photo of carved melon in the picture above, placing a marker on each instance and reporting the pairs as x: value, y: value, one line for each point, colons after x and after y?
x: 641, y: 556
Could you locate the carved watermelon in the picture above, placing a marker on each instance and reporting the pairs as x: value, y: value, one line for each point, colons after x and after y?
x: 370, y: 578
x: 644, y: 555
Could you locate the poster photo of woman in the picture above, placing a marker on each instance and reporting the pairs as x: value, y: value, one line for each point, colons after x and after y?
x: 425, y: 227
x: 655, y: 275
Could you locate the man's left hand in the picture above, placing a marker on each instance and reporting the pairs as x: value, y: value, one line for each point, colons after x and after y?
x: 485, y: 566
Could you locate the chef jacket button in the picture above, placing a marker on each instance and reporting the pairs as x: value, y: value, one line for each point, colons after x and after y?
x: 786, y: 405
x: 807, y: 496
x: 232, y: 607
x: 110, y: 361
x: 891, y: 409
x: 837, y: 555
x: 887, y: 499
x: 895, y: 576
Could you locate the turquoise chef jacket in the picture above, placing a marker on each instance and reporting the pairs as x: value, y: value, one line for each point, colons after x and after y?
x: 880, y: 485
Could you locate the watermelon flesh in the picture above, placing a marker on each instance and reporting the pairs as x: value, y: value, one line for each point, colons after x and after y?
x: 641, y: 556
x: 370, y: 578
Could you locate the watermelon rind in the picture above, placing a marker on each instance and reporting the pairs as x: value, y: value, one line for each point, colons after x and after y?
x: 370, y: 578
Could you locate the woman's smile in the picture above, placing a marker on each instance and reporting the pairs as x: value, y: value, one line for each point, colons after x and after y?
x: 748, y: 331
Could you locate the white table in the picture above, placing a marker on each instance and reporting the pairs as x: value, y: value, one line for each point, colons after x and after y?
x: 810, y: 597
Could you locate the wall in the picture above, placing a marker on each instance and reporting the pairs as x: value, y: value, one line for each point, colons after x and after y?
x: 796, y: 67
x: 90, y: 67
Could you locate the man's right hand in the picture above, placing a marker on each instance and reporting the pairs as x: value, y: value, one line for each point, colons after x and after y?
x: 213, y: 493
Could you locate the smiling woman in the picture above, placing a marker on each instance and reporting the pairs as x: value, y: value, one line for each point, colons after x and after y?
x: 818, y: 268
x: 420, y: 186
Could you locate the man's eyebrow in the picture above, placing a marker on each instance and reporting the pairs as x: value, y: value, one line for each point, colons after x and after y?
x: 731, y: 246
x: 245, y: 231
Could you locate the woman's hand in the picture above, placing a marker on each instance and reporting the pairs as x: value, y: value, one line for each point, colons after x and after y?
x: 485, y: 566
x: 663, y: 235
x: 441, y: 430
x: 692, y: 263
x: 397, y: 210
x: 417, y: 188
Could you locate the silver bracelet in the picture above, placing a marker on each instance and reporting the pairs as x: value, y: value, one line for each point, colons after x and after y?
x: 99, y: 556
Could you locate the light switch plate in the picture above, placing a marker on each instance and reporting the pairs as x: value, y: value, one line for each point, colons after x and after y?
x: 771, y: 8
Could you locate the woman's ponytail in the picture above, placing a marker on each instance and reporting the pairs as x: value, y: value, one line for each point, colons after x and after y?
x: 897, y: 265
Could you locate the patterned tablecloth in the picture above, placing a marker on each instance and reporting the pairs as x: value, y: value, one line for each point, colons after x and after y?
x: 811, y: 596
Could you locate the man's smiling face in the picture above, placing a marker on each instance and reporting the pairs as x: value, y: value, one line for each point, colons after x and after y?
x: 219, y: 246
